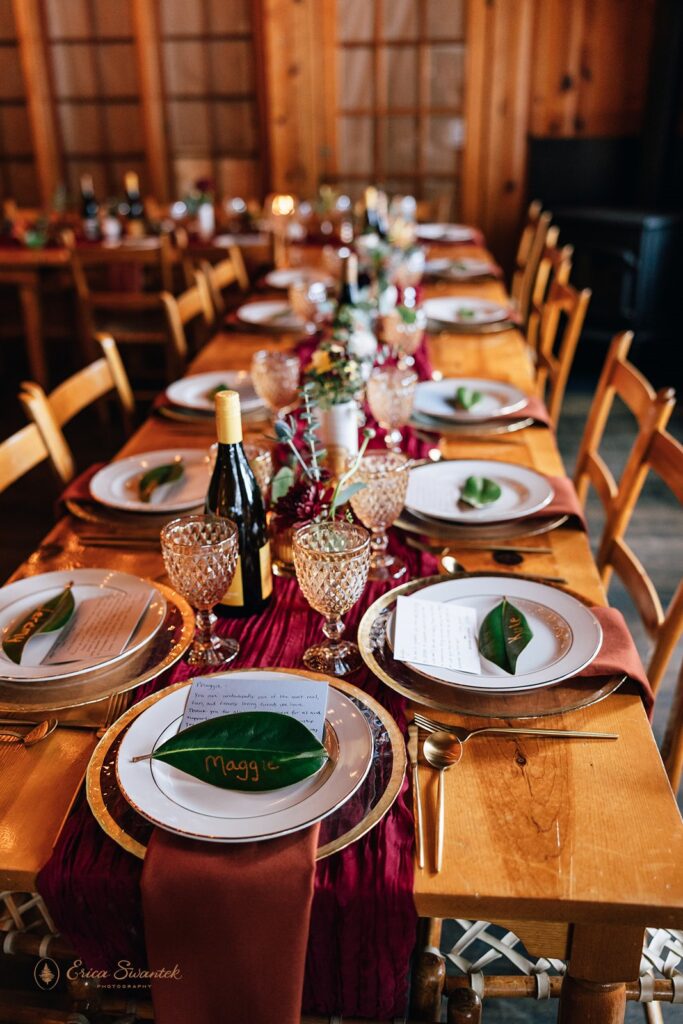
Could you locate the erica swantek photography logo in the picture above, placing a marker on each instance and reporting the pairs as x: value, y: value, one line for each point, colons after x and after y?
x: 125, y: 975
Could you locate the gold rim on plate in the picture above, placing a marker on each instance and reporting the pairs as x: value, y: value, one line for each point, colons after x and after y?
x: 555, y: 699
x: 114, y: 830
x: 482, y: 428
x: 167, y: 647
x: 411, y: 522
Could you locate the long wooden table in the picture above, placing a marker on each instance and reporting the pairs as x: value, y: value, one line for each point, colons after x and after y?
x: 546, y: 834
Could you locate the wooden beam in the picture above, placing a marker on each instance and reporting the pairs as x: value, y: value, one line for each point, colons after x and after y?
x: 148, y: 51
x: 39, y: 99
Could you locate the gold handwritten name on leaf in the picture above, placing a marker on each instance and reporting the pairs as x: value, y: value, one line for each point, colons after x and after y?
x: 46, y: 618
x: 154, y: 478
x: 252, y: 750
x: 503, y: 636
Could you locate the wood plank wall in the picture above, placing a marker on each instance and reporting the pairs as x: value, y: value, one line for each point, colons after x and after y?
x: 546, y: 68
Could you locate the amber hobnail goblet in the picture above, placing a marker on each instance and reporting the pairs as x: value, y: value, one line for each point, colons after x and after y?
x: 391, y: 394
x: 379, y: 504
x: 331, y: 561
x: 200, y: 555
x: 275, y: 376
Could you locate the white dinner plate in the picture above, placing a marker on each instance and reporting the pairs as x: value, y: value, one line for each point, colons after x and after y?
x: 272, y: 314
x: 20, y: 598
x: 458, y: 270
x: 444, y: 232
x: 566, y: 635
x: 464, y: 309
x: 434, y: 491
x: 196, y: 391
x: 186, y: 806
x: 287, y: 276
x: 116, y: 485
x: 252, y: 238
x: 436, y: 398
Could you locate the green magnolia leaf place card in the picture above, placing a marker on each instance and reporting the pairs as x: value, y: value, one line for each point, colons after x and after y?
x: 45, y: 618
x: 153, y: 478
x: 250, y: 751
x: 503, y: 635
x: 479, y: 491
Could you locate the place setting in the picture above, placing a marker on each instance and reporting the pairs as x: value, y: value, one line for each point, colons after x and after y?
x: 464, y: 268
x: 192, y: 399
x: 74, y: 637
x: 334, y: 755
x: 465, y: 314
x: 446, y: 233
x: 484, y: 499
x: 470, y: 406
x: 497, y: 645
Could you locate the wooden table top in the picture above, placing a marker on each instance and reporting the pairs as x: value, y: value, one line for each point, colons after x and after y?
x: 536, y: 830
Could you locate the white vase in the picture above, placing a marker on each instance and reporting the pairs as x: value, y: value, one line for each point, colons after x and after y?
x: 338, y: 426
x: 206, y: 221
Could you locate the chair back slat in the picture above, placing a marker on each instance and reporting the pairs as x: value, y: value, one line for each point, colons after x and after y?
x: 556, y: 344
x: 527, y: 261
x: 20, y: 453
x: 662, y: 455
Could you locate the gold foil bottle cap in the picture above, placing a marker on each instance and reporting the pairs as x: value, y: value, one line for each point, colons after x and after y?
x: 228, y: 417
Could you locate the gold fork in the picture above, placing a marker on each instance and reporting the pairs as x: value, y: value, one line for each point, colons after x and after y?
x: 463, y: 734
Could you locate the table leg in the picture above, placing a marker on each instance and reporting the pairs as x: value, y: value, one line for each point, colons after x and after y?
x: 429, y: 972
x: 33, y: 331
x: 603, y: 957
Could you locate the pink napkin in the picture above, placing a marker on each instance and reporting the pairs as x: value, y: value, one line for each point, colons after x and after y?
x: 618, y: 654
x: 564, y: 502
x: 78, y: 489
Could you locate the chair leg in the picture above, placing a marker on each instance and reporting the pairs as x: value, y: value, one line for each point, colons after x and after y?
x: 429, y: 973
x: 591, y: 1002
x: 464, y: 1007
x: 653, y: 1013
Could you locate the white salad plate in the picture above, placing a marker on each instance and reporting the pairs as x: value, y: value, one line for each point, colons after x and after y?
x: 197, y: 391
x: 287, y: 276
x: 566, y: 636
x: 273, y: 314
x: 189, y: 807
x: 434, y: 491
x: 436, y: 398
x: 116, y: 485
x: 444, y: 232
x: 464, y: 309
x: 18, y: 599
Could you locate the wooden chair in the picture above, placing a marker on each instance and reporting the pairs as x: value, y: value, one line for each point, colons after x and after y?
x: 651, y: 411
x: 220, y: 276
x: 49, y: 413
x: 555, y: 325
x: 19, y: 454
x: 663, y: 456
x: 193, y: 305
x: 528, y: 257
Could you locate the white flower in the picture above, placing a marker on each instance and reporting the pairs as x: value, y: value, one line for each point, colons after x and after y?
x: 362, y: 345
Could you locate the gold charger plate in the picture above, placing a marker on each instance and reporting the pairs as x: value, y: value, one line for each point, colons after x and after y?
x: 166, y: 647
x: 568, y: 695
x: 347, y: 824
x: 411, y: 522
x: 148, y: 523
x: 497, y: 327
x: 484, y: 428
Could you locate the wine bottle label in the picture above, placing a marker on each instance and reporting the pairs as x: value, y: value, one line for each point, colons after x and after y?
x: 266, y: 570
x: 234, y: 595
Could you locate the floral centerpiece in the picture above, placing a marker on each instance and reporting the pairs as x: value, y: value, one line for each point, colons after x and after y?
x: 302, y: 491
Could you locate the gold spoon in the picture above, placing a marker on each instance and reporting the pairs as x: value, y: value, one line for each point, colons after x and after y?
x: 441, y: 750
x: 39, y: 732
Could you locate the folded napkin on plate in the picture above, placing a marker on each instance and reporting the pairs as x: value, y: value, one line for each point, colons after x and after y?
x: 219, y: 912
x: 78, y: 489
x: 618, y: 654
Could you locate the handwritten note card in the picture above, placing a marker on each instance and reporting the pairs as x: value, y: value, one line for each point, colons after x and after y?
x: 440, y: 635
x: 101, y: 628
x: 303, y: 699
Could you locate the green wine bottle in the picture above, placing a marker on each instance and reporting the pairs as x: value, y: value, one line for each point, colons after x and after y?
x: 234, y: 494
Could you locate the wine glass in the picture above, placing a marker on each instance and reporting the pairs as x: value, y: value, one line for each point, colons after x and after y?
x: 391, y: 394
x: 306, y: 298
x: 331, y: 560
x: 404, y: 334
x: 200, y: 555
x: 275, y: 376
x: 379, y: 504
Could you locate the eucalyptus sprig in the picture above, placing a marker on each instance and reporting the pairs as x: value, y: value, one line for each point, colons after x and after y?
x: 343, y: 490
x: 286, y: 431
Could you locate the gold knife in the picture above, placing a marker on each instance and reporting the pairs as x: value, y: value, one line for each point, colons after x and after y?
x: 417, y: 795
